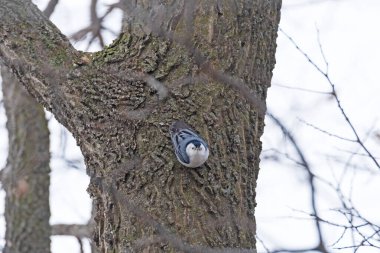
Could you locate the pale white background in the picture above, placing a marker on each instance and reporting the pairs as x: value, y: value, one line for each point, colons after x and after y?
x: 350, y: 37
x: 350, y: 40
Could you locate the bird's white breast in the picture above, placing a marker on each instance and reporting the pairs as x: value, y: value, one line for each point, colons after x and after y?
x: 197, y: 158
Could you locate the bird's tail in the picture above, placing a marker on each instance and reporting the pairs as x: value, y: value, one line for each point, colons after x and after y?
x: 178, y: 126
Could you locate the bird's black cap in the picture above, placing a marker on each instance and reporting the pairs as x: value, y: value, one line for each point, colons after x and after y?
x: 196, y: 143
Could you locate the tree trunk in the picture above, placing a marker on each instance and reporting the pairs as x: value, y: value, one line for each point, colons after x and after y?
x: 208, y: 63
x: 26, y: 178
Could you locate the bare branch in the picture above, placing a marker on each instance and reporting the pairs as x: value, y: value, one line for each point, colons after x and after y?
x: 96, y: 27
x: 321, y: 50
x: 80, y: 231
x: 263, y: 244
x: 296, y: 250
x: 43, y: 74
x: 333, y: 92
x: 286, y: 155
x: 325, y: 132
x: 306, y: 3
x: 311, y: 176
x: 301, y: 89
x: 50, y: 8
x: 355, y: 153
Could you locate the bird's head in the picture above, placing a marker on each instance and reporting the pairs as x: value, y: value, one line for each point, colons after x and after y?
x: 195, y: 147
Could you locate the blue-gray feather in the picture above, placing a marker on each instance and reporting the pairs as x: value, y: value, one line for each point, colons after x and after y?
x: 181, y: 135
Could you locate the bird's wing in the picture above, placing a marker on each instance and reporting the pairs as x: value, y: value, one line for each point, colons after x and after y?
x: 181, y: 134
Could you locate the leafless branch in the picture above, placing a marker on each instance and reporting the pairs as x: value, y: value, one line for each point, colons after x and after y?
x: 81, y: 231
x: 296, y: 250
x: 81, y: 250
x: 355, y: 153
x: 325, y: 132
x: 301, y: 89
x: 307, y: 3
x: 322, y: 51
x: 96, y: 27
x: 263, y: 244
x: 286, y: 155
x: 333, y: 92
x: 50, y: 8
x: 354, y: 220
x: 321, y: 244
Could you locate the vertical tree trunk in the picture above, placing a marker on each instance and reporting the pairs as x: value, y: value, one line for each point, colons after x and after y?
x: 26, y: 178
x: 160, y: 205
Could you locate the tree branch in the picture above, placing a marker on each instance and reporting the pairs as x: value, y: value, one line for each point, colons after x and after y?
x: 326, y: 75
x: 321, y: 244
x: 50, y: 7
x: 76, y: 230
x: 34, y: 49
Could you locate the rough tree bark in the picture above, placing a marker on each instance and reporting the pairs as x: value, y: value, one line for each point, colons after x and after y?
x: 26, y: 178
x: 206, y: 62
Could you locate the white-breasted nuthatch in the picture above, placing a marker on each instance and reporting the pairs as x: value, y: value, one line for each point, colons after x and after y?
x: 191, y: 150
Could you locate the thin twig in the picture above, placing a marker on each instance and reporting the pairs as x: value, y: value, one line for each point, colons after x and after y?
x: 301, y: 89
x: 333, y: 92
x: 324, y: 131
x: 81, y: 250
x: 96, y: 26
x: 263, y: 244
x: 321, y: 244
x: 322, y: 51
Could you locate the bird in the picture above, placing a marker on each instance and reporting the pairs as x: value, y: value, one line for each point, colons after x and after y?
x: 190, y: 148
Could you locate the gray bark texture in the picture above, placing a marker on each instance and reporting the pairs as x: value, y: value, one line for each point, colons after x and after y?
x: 208, y: 63
x: 26, y: 178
